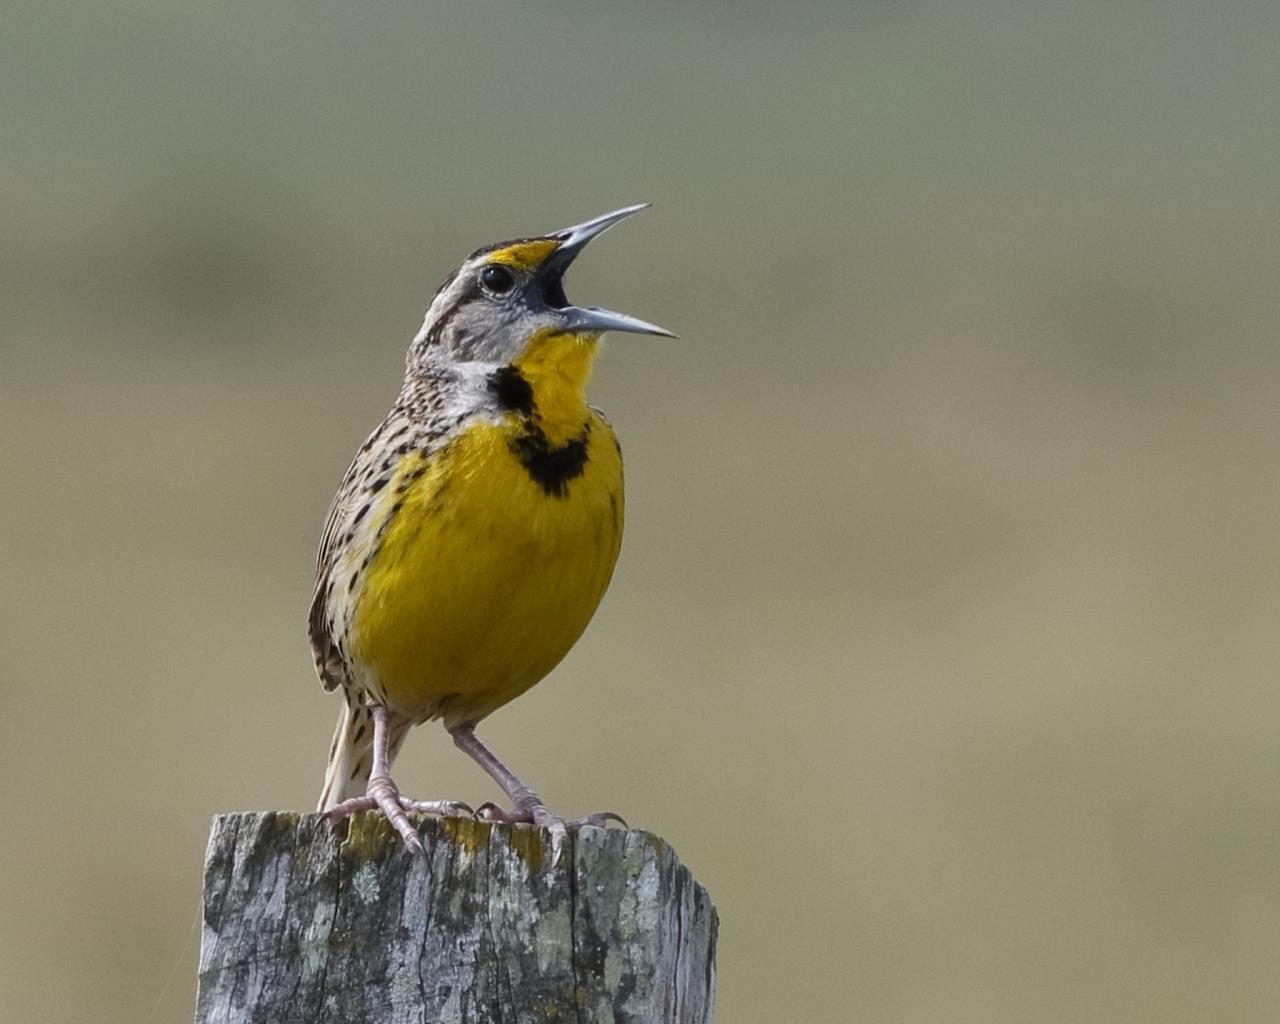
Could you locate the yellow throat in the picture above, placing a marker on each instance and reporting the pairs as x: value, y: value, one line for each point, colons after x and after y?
x: 496, y: 547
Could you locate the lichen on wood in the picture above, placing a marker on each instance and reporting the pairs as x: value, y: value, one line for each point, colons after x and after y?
x: 305, y: 922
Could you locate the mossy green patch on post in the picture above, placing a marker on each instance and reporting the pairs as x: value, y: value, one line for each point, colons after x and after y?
x: 275, y: 825
x: 657, y: 842
x: 469, y: 833
x: 369, y: 836
x: 286, y: 820
x: 529, y: 844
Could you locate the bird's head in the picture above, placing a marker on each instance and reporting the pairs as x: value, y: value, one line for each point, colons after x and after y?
x: 506, y: 296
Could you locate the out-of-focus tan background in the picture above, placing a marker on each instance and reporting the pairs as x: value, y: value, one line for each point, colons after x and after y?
x: 943, y: 645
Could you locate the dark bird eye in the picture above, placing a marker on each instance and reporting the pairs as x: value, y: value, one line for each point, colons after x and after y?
x: 497, y: 280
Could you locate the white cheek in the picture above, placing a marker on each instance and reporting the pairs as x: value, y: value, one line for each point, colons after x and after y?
x: 471, y: 394
x: 490, y: 333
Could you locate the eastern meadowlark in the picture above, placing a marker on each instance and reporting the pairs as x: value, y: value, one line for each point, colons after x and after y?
x: 476, y: 530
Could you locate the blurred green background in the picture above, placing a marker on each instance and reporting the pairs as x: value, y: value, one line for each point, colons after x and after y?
x: 943, y: 644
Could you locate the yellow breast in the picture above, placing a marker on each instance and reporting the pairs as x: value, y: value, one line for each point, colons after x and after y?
x: 490, y: 566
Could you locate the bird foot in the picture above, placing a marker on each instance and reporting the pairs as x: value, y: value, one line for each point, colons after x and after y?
x: 382, y: 794
x: 536, y: 813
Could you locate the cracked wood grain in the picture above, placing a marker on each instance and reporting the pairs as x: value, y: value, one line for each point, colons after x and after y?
x: 308, y: 923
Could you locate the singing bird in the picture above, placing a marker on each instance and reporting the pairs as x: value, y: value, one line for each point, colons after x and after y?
x: 476, y: 530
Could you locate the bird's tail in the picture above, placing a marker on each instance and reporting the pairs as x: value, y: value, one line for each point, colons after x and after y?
x: 351, y: 753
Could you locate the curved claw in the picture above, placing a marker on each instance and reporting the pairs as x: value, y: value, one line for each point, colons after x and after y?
x: 383, y: 795
x: 348, y: 807
x: 529, y: 814
x: 489, y: 811
x: 600, y: 819
x: 537, y: 814
x: 440, y: 808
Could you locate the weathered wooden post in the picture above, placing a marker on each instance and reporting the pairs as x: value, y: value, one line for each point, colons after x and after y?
x: 307, y: 923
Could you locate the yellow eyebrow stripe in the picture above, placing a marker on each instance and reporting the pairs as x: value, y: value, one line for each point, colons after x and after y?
x: 525, y: 256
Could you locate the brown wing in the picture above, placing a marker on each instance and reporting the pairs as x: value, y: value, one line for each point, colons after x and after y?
x: 359, y: 486
x: 422, y: 417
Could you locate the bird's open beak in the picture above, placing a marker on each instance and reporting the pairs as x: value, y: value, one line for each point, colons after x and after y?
x: 593, y: 319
